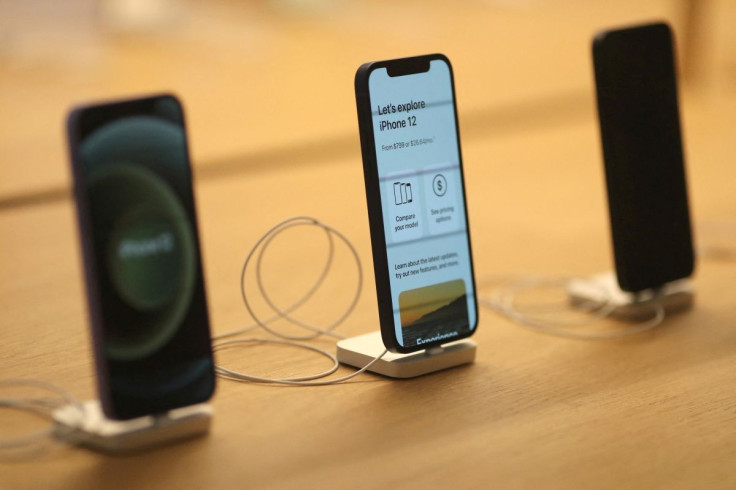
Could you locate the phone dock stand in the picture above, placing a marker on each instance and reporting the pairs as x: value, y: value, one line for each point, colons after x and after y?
x: 673, y: 296
x: 359, y: 351
x: 92, y: 429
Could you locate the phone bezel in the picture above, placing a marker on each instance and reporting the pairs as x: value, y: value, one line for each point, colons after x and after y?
x: 91, y: 274
x: 397, y: 67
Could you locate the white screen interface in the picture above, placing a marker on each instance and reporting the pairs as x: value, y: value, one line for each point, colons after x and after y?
x: 423, y: 205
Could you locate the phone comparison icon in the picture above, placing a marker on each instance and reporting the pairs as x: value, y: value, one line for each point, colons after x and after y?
x: 402, y: 193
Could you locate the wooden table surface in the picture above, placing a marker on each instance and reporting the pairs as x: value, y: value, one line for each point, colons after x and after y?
x: 656, y: 410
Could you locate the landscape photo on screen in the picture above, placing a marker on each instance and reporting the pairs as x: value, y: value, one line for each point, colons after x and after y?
x: 433, y: 313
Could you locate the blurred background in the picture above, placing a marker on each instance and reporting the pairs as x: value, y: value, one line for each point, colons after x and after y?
x: 270, y: 82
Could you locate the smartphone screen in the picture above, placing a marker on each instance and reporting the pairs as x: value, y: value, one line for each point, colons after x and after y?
x: 141, y: 252
x: 414, y: 183
x: 642, y: 149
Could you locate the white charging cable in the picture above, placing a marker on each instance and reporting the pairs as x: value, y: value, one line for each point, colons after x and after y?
x: 44, y: 406
x: 282, y: 338
x: 504, y: 301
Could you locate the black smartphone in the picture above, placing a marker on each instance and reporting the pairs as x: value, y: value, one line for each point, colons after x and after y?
x: 140, y: 246
x: 416, y: 202
x: 642, y: 150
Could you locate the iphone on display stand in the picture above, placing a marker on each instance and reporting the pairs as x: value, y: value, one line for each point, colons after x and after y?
x: 643, y: 157
x: 141, y: 254
x: 416, y: 203
x: 636, y: 87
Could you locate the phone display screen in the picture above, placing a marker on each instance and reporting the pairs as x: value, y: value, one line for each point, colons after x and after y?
x: 642, y: 147
x: 423, y: 204
x: 145, y: 283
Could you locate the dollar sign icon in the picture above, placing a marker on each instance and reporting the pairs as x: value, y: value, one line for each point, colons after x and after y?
x: 439, y: 185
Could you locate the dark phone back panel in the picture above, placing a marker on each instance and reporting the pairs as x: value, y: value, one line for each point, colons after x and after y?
x: 642, y: 150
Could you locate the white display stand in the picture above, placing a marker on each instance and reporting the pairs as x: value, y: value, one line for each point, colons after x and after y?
x: 673, y: 297
x: 359, y: 351
x: 93, y: 430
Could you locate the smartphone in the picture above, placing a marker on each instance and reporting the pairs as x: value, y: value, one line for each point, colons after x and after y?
x: 416, y: 202
x: 140, y: 247
x: 642, y: 151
